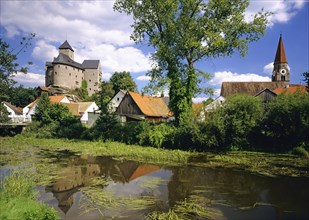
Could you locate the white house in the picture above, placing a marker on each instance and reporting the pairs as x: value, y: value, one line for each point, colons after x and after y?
x: 82, y: 109
x: 115, y: 101
x: 215, y: 104
x: 15, y: 113
x: 29, y: 110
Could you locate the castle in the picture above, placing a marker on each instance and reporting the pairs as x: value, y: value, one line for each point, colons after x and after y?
x: 63, y: 71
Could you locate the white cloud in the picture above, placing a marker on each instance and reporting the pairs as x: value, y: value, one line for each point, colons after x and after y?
x: 268, y: 68
x: 227, y: 76
x: 106, y: 76
x: 282, y: 10
x: 199, y: 99
x: 43, y: 51
x: 29, y: 79
x: 143, y: 78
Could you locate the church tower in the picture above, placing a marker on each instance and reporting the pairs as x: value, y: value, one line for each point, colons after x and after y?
x: 281, y: 72
x: 66, y: 49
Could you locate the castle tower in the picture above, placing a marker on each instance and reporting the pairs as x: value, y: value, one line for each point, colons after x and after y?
x: 281, y: 72
x: 66, y: 49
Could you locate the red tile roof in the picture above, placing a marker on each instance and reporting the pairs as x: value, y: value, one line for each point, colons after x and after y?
x: 150, y: 106
x: 291, y: 89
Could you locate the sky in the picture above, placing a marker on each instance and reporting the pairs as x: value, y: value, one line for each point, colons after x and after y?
x: 95, y: 31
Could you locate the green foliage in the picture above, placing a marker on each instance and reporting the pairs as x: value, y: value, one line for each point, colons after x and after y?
x: 123, y: 80
x: 104, y: 95
x: 158, y: 135
x: 286, y: 123
x: 21, y: 96
x: 306, y: 79
x: 55, y: 120
x: 4, y: 114
x: 240, y: 115
x: 18, y: 199
x: 300, y: 151
x: 186, y: 31
x: 82, y: 92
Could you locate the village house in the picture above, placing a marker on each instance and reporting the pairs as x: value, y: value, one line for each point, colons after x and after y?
x: 116, y: 100
x: 78, y: 109
x: 137, y: 107
x: 63, y: 71
x: 15, y: 113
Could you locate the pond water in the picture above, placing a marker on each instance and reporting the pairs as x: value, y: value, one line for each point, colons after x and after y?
x: 101, y: 187
x: 90, y: 187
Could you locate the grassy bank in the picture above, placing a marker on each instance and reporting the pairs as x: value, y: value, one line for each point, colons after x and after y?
x: 18, y: 198
x: 15, y: 150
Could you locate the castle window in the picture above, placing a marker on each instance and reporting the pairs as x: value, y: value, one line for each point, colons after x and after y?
x: 90, y: 89
x: 55, y: 73
x: 58, y: 66
x: 77, y: 83
x: 282, y: 78
x: 66, y: 67
x: 73, y: 68
x: 69, y: 74
x: 89, y: 80
x: 76, y: 76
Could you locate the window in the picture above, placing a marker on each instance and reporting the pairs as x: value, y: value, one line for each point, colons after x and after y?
x: 55, y: 73
x: 66, y: 67
x: 69, y: 74
x: 118, y: 99
x: 75, y: 76
x: 282, y: 78
x: 58, y: 66
x: 89, y: 80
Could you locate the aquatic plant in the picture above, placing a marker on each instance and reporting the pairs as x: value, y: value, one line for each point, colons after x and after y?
x: 18, y: 198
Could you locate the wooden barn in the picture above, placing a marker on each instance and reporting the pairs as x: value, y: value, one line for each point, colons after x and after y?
x: 137, y: 107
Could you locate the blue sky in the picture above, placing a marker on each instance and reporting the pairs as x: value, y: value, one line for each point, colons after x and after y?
x: 95, y: 31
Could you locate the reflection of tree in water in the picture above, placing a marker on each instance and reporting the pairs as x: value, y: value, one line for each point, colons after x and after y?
x: 238, y: 188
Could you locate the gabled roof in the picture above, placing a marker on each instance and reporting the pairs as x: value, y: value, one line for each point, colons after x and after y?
x: 64, y: 59
x: 17, y: 110
x: 90, y: 64
x: 291, y: 89
x: 53, y: 99
x: 57, y: 98
x: 250, y: 88
x: 280, y: 55
x: 150, y: 106
x: 266, y: 90
x: 78, y: 108
x: 66, y: 45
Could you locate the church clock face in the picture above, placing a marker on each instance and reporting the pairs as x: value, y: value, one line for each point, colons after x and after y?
x: 282, y: 72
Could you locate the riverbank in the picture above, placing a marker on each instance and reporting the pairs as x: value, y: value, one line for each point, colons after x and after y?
x: 18, y: 149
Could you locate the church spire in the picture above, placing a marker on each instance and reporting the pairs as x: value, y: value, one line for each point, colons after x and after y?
x: 280, y: 55
x: 281, y: 70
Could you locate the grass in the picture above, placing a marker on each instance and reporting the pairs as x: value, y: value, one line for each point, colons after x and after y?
x: 18, y: 199
x: 19, y: 149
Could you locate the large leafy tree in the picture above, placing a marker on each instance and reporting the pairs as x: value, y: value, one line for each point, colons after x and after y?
x: 183, y: 32
x: 306, y: 79
x: 123, y: 80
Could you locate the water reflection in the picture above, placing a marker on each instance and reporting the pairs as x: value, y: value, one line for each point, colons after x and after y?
x: 234, y: 194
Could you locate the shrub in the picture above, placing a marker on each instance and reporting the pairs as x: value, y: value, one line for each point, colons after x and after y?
x: 300, y: 151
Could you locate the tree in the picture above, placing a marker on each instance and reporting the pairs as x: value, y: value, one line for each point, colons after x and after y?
x: 183, y: 32
x: 82, y: 92
x: 123, y: 80
x: 9, y: 66
x: 286, y: 124
x: 21, y: 96
x: 239, y: 115
x: 306, y: 79
x: 42, y: 108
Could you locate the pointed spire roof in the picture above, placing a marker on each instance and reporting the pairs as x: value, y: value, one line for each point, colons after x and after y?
x: 280, y: 55
x: 66, y: 45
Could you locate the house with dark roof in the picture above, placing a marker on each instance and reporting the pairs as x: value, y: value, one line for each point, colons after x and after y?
x: 280, y: 79
x: 136, y: 107
x: 15, y: 113
x: 63, y: 71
